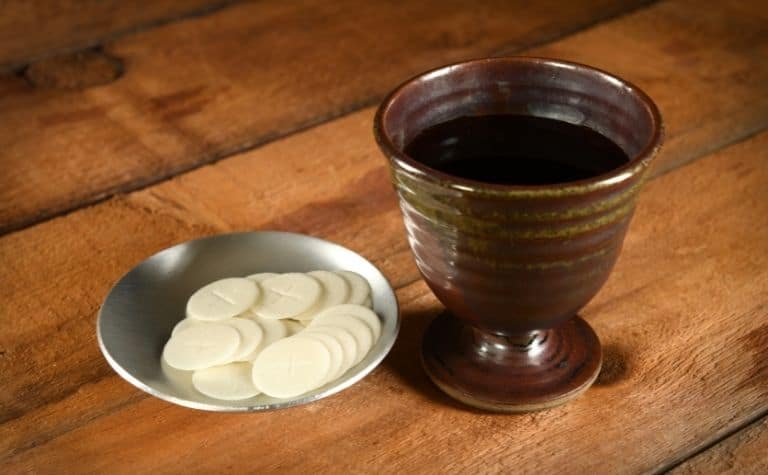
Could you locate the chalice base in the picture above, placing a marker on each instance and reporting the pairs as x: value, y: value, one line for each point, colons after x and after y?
x: 514, y: 372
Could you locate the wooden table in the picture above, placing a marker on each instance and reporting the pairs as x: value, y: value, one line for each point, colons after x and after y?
x: 191, y: 118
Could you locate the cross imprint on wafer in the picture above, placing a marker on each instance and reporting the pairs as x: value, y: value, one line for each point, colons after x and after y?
x: 286, y: 295
x: 220, y: 296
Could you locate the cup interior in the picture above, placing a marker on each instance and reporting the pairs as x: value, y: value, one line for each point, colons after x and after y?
x: 559, y: 90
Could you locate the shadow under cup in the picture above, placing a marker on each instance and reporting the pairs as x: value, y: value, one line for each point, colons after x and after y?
x: 513, y: 264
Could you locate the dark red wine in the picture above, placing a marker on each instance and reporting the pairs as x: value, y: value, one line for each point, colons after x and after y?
x: 515, y: 150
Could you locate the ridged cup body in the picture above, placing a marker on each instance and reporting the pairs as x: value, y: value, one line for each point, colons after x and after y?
x: 511, y: 259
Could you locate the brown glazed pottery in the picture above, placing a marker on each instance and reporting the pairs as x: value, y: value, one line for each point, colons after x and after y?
x: 514, y: 264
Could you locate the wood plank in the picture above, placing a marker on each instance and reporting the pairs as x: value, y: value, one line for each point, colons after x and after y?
x: 684, y: 321
x: 745, y: 452
x: 200, y: 89
x: 30, y: 29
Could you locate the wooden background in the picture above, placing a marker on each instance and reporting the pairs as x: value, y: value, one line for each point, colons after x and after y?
x: 125, y: 129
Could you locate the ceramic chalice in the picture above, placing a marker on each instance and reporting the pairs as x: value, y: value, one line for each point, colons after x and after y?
x: 513, y: 264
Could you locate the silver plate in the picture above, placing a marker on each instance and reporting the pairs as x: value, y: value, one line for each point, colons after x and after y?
x: 140, y: 311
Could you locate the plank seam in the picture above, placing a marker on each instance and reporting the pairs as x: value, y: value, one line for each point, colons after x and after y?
x: 717, y: 440
x: 745, y: 136
x: 575, y: 30
x: 19, y: 66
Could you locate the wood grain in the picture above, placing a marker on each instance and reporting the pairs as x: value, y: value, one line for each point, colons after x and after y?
x: 197, y: 90
x: 744, y: 452
x: 30, y: 29
x: 683, y: 320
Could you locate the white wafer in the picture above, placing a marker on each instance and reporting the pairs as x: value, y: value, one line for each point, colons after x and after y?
x: 261, y: 276
x: 291, y: 367
x: 288, y: 295
x: 229, y: 382
x: 362, y: 334
x: 251, y: 335
x: 273, y: 330
x: 186, y: 323
x: 201, y: 345
x: 359, y: 289
x: 345, y: 339
x: 222, y: 299
x: 336, y: 289
x: 336, y: 351
x: 364, y: 314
